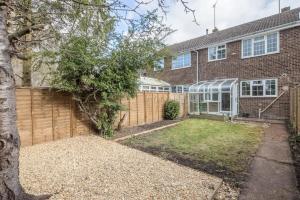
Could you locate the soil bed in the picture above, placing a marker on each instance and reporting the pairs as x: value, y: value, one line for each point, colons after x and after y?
x: 295, y: 148
x: 137, y: 129
x: 212, y: 168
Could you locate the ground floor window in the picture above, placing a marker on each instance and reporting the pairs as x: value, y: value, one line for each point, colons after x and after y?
x: 259, y: 88
x: 154, y: 88
x: 180, y: 88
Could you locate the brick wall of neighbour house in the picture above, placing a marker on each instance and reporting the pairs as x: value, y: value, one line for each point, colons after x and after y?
x: 178, y: 76
x: 285, y: 66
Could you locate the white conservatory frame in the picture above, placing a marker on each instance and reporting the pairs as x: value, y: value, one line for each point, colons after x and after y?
x: 205, y: 97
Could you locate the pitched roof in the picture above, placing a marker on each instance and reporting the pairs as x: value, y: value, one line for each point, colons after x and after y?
x: 152, y: 81
x: 261, y: 25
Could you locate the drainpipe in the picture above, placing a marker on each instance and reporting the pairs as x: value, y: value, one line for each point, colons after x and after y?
x: 197, y: 65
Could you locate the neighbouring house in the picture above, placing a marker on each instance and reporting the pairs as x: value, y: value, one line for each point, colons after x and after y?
x: 153, y: 85
x: 245, y: 70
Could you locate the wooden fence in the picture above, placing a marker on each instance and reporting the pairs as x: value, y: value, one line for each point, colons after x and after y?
x: 295, y: 109
x: 45, y: 115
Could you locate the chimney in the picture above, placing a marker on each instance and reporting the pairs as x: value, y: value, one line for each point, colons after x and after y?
x: 215, y: 30
x: 286, y: 9
x: 207, y: 31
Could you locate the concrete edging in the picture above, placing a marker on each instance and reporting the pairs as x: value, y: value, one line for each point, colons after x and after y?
x: 144, y: 132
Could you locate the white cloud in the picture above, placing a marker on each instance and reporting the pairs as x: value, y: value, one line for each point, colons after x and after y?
x: 229, y: 13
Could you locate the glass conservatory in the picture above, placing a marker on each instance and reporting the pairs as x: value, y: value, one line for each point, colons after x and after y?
x: 218, y: 97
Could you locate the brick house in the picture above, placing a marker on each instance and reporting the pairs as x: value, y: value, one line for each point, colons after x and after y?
x: 263, y: 56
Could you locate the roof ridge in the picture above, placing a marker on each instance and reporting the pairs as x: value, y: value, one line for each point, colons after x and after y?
x: 239, y: 25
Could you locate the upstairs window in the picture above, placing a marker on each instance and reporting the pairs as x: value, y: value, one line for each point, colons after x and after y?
x: 259, y: 88
x: 181, y: 61
x: 261, y: 45
x: 159, y: 65
x: 217, y: 53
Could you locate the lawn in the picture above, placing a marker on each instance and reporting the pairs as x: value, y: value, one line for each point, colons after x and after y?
x: 224, y: 149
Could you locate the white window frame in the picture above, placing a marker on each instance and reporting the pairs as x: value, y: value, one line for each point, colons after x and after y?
x: 217, y: 49
x: 264, y: 88
x: 154, y: 88
x: 184, y: 89
x: 183, y: 66
x: 266, y: 45
x: 160, y: 63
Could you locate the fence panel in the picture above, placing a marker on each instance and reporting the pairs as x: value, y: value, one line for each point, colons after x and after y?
x: 295, y: 109
x: 45, y: 115
x: 24, y: 122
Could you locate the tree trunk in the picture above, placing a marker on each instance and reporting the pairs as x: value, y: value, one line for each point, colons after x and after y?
x: 10, y: 187
x: 27, y: 63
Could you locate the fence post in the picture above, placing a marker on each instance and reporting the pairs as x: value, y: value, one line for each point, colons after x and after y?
x: 145, y: 108
x: 137, y: 109
x: 129, y: 111
x: 32, y: 128
x: 152, y: 107
x: 52, y: 109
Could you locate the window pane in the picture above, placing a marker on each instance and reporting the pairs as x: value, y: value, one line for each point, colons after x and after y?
x: 245, y: 88
x: 159, y: 65
x: 201, y: 97
x: 259, y: 46
x: 247, y: 48
x: 215, y: 96
x: 186, y: 88
x: 225, y: 102
x: 183, y: 60
x: 213, y: 107
x: 203, y: 107
x: 212, y: 53
x: 145, y: 87
x: 207, y: 96
x: 270, y: 87
x: 187, y: 59
x: 153, y: 88
x: 179, y: 89
x: 272, y: 42
x: 173, y: 89
x: 257, y: 90
x: 221, y: 54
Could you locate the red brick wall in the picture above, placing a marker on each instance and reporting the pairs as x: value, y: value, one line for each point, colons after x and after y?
x: 285, y: 66
x: 179, y: 76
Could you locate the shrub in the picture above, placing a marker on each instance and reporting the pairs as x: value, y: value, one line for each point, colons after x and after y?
x: 171, y: 110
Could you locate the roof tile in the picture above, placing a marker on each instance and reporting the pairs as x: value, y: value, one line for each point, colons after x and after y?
x: 238, y: 31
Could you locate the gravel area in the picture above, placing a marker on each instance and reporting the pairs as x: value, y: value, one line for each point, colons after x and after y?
x: 227, y: 192
x: 89, y: 167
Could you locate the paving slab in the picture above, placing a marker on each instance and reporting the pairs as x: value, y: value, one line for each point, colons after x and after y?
x: 272, y: 174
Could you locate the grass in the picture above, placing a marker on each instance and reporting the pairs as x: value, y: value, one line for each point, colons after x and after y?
x: 213, y: 144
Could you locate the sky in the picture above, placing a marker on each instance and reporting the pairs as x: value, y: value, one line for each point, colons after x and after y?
x: 228, y: 13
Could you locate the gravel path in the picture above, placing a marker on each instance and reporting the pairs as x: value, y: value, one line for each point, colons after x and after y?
x: 89, y: 167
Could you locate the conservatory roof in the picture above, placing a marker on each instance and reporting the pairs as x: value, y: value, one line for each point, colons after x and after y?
x: 214, y: 85
x: 152, y: 81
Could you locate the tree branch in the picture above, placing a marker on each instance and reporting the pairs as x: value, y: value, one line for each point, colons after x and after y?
x: 24, y: 31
